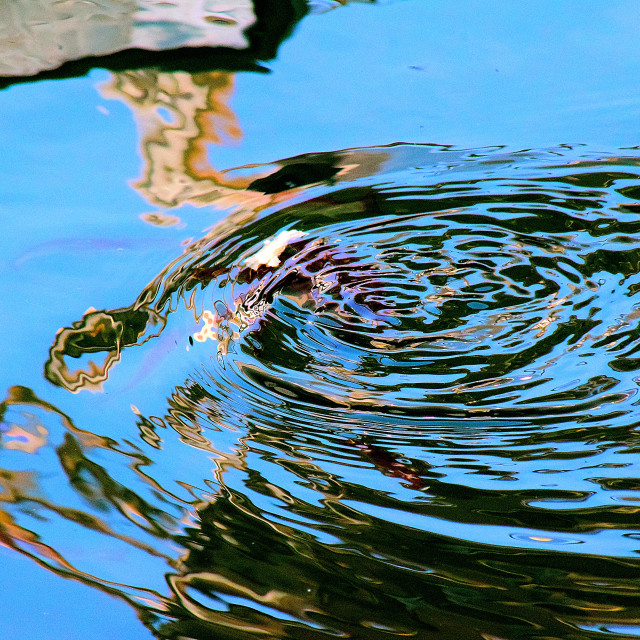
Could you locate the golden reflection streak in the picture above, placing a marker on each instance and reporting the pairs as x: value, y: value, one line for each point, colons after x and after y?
x: 278, y: 600
x: 178, y: 115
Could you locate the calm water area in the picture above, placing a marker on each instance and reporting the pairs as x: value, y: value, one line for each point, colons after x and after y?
x: 320, y: 319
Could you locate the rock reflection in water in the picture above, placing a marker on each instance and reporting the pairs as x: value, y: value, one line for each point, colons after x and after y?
x: 448, y: 449
x: 46, y: 34
x: 47, y: 39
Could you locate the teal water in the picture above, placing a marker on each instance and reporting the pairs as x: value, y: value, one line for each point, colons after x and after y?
x: 333, y: 335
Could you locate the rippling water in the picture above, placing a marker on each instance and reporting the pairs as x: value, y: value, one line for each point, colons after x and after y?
x: 404, y: 404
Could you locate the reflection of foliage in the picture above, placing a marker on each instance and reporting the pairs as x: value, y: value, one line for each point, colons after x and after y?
x: 226, y: 567
x: 211, y: 570
x: 260, y: 561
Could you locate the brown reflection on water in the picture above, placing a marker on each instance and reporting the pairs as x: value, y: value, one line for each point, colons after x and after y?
x: 313, y: 571
x: 34, y: 497
x: 176, y: 172
x: 178, y: 116
x: 289, y: 568
x: 98, y: 332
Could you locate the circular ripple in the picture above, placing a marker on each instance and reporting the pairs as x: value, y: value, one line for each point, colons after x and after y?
x: 486, y: 285
x: 415, y: 394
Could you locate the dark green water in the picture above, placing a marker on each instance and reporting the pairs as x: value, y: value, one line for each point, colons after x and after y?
x: 385, y: 391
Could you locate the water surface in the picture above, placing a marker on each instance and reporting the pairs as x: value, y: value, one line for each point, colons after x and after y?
x: 270, y: 372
